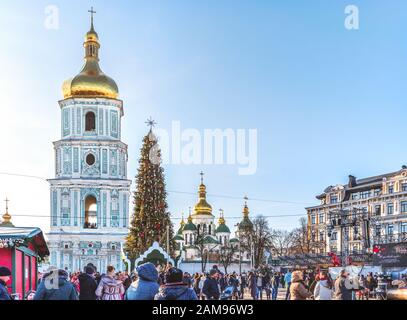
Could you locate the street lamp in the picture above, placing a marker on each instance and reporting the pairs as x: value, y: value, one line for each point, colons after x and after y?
x: 240, y: 250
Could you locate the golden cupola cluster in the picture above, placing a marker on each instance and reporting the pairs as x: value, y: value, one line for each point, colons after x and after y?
x: 91, y: 82
x: 202, y: 207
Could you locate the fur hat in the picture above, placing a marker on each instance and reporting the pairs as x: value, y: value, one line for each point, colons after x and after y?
x: 296, y: 276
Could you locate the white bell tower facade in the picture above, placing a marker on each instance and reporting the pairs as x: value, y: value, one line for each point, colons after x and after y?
x: 90, y: 191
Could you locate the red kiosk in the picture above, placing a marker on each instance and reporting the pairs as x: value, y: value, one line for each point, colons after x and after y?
x: 21, y: 249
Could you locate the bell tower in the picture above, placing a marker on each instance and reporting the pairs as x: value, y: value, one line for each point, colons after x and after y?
x: 90, y: 191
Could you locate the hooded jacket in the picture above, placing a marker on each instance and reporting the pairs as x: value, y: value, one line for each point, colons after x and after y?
x: 146, y: 286
x: 322, y: 291
x: 298, y: 291
x: 341, y: 292
x: 64, y: 290
x: 87, y: 287
x: 211, y: 289
x: 176, y: 291
x: 110, y: 288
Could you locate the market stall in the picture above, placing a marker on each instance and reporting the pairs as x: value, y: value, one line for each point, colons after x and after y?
x: 21, y: 250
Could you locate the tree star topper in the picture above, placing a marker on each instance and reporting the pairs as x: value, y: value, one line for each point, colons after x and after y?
x: 150, y: 123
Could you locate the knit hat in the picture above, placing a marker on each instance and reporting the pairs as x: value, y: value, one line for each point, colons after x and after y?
x: 173, y: 275
x: 5, y: 272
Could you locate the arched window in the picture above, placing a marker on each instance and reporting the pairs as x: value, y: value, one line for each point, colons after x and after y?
x: 90, y: 213
x: 90, y: 122
x: 209, y: 232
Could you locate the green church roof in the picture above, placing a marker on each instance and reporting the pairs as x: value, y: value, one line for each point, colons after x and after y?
x: 245, y: 224
x: 178, y: 237
x: 189, y: 227
x: 222, y: 228
x: 210, y: 240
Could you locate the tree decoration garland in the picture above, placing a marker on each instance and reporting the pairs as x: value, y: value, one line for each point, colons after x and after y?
x: 10, y: 243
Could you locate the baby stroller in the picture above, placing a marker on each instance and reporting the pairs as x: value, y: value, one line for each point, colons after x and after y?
x: 227, y: 294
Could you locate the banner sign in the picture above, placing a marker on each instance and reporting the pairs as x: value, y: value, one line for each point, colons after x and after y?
x: 390, y: 255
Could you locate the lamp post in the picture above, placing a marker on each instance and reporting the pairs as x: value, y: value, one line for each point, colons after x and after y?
x: 240, y: 251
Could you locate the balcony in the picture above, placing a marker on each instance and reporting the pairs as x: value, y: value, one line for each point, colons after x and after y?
x: 390, y: 238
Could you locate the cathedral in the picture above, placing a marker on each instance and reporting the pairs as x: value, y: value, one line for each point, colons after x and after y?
x: 201, y: 230
x: 90, y: 191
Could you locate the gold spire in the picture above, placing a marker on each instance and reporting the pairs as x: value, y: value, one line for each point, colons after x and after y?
x: 182, y: 220
x: 221, y: 217
x: 91, y: 11
x: 202, y: 207
x: 91, y: 82
x: 6, y: 217
x: 245, y: 208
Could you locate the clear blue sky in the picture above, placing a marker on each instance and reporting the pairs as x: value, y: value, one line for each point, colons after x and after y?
x: 327, y: 102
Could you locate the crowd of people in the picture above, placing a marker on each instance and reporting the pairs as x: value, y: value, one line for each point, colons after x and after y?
x: 149, y: 282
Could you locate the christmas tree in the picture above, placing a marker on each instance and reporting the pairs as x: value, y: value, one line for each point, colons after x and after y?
x: 150, y: 221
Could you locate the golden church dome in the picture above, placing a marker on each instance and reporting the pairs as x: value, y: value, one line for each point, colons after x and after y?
x: 202, y: 207
x: 91, y: 82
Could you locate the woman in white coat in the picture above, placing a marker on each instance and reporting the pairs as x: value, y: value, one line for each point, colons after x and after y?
x: 323, y: 288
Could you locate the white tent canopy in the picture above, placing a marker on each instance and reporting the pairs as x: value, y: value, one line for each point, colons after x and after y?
x: 355, y: 271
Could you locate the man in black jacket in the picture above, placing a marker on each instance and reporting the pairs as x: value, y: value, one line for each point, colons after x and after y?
x: 87, y: 284
x: 211, y: 288
x: 4, y: 278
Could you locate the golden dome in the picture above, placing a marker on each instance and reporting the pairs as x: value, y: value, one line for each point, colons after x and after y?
x: 6, y: 217
x: 91, y: 82
x: 202, y: 207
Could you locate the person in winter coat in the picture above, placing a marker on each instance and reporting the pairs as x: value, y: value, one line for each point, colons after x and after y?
x: 5, y: 275
x: 322, y: 289
x: 223, y: 281
x: 234, y: 283
x: 210, y: 287
x: 196, y: 281
x: 109, y: 287
x: 55, y: 285
x: 243, y: 284
x: 252, y: 280
x: 146, y: 286
x: 371, y: 283
x: 201, y: 296
x: 275, y: 283
x: 298, y: 290
x: 341, y: 291
x: 125, y: 279
x: 175, y: 288
x: 87, y: 284
x: 287, y: 282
